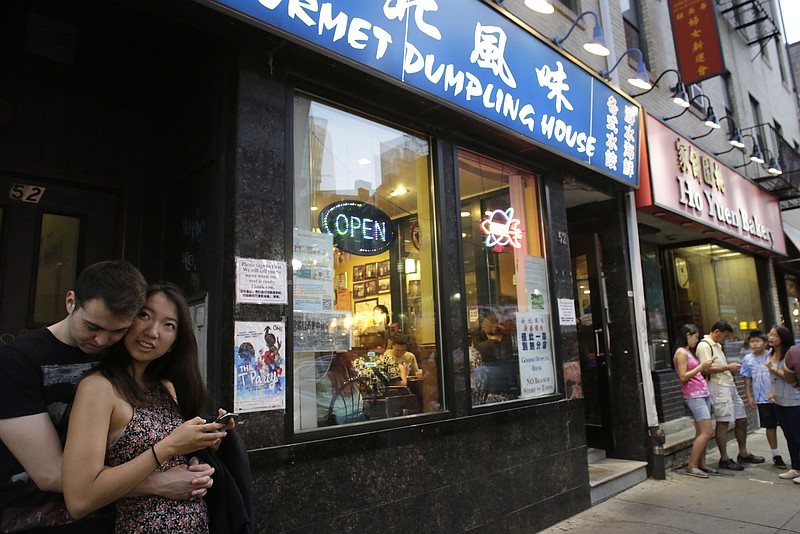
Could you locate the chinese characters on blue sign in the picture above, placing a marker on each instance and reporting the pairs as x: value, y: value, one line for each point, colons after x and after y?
x: 469, y: 55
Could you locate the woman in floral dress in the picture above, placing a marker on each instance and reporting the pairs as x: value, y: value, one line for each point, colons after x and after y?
x: 137, y: 412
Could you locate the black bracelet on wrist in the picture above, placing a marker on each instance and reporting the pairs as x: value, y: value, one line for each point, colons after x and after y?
x: 153, y: 450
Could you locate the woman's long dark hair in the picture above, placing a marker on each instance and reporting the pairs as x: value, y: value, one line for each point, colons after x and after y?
x: 786, y: 337
x: 179, y: 365
x: 682, y: 341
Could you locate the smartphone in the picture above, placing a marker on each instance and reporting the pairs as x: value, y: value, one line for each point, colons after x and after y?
x: 223, y: 419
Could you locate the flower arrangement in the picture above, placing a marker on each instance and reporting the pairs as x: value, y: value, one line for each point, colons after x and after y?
x: 380, y: 371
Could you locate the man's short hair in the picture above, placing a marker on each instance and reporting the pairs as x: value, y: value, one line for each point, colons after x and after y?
x: 118, y: 284
x: 722, y: 325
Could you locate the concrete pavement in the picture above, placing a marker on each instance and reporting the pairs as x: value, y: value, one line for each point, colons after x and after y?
x: 751, y: 501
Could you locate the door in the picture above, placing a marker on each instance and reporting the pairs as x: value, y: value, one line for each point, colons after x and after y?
x: 591, y: 304
x: 49, y: 231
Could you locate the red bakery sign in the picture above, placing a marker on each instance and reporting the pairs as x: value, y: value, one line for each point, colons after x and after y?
x: 694, y: 28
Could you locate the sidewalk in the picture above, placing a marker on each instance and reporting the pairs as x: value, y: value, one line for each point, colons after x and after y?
x: 751, y: 501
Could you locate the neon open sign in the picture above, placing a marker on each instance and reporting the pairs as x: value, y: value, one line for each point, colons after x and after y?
x: 501, y: 229
x: 357, y: 227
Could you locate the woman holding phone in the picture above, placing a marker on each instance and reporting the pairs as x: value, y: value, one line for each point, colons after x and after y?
x: 695, y: 394
x: 136, y: 413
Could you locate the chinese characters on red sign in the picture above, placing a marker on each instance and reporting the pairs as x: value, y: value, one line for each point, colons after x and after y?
x: 694, y: 28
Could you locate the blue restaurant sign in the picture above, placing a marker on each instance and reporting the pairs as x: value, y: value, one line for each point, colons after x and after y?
x: 468, y: 54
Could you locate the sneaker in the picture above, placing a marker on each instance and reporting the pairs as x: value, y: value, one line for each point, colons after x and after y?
x: 797, y: 480
x: 698, y: 473
x: 733, y: 466
x: 790, y: 474
x: 778, y: 462
x: 709, y: 470
x: 750, y: 459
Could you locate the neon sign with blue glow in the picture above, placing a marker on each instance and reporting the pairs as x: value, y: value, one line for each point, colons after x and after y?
x: 469, y: 56
x: 357, y: 227
x: 501, y: 229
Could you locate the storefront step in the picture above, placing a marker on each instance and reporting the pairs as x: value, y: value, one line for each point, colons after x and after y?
x: 610, y: 476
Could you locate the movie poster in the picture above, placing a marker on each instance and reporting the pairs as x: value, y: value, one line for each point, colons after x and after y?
x: 260, y: 366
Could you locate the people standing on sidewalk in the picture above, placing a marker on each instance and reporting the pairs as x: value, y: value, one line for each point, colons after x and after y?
x: 728, y: 405
x: 786, y: 396
x: 695, y: 394
x: 757, y: 381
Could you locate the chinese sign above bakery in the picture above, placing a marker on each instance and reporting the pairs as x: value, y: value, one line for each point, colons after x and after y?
x: 468, y: 55
x: 696, y: 36
x: 688, y: 182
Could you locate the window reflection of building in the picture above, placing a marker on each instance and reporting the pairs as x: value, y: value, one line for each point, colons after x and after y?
x: 341, y: 157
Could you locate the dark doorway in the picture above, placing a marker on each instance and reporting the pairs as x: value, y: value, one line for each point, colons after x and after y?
x: 49, y: 231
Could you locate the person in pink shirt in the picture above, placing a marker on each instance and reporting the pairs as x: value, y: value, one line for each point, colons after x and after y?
x: 695, y: 394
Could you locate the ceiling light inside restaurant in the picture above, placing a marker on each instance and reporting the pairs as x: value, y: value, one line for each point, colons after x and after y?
x: 399, y: 190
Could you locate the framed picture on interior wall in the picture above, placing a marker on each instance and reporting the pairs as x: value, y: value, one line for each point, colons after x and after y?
x: 383, y: 268
x: 371, y: 287
x: 341, y: 281
x: 413, y: 288
x: 370, y: 270
x: 384, y: 285
x: 364, y: 308
x: 358, y: 273
x: 359, y: 291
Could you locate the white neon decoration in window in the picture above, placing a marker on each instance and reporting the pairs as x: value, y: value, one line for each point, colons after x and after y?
x: 501, y: 229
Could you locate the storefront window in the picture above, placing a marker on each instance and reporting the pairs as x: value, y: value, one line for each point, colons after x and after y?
x: 657, y: 327
x: 507, y: 294
x: 363, y: 264
x: 710, y: 282
x: 793, y: 296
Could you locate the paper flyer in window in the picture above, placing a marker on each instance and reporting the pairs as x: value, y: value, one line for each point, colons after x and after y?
x: 322, y: 331
x: 312, y: 265
x: 538, y: 295
x: 260, y: 366
x: 261, y: 281
x: 535, y: 344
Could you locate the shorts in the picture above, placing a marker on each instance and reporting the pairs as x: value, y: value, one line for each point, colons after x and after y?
x: 767, y: 415
x: 700, y: 408
x: 728, y: 405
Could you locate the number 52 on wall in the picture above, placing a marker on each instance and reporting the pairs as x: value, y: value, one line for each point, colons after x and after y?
x: 26, y: 193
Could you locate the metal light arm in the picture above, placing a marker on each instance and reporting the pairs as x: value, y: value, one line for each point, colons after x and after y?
x: 655, y: 83
x: 686, y: 109
x: 559, y: 40
x: 605, y: 73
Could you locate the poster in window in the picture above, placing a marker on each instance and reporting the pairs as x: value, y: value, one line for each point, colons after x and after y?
x: 358, y: 291
x: 260, y: 366
x: 383, y: 268
x: 313, y: 266
x: 534, y: 342
x: 322, y: 331
x: 384, y: 285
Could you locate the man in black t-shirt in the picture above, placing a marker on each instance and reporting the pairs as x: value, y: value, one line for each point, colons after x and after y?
x: 38, y: 373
